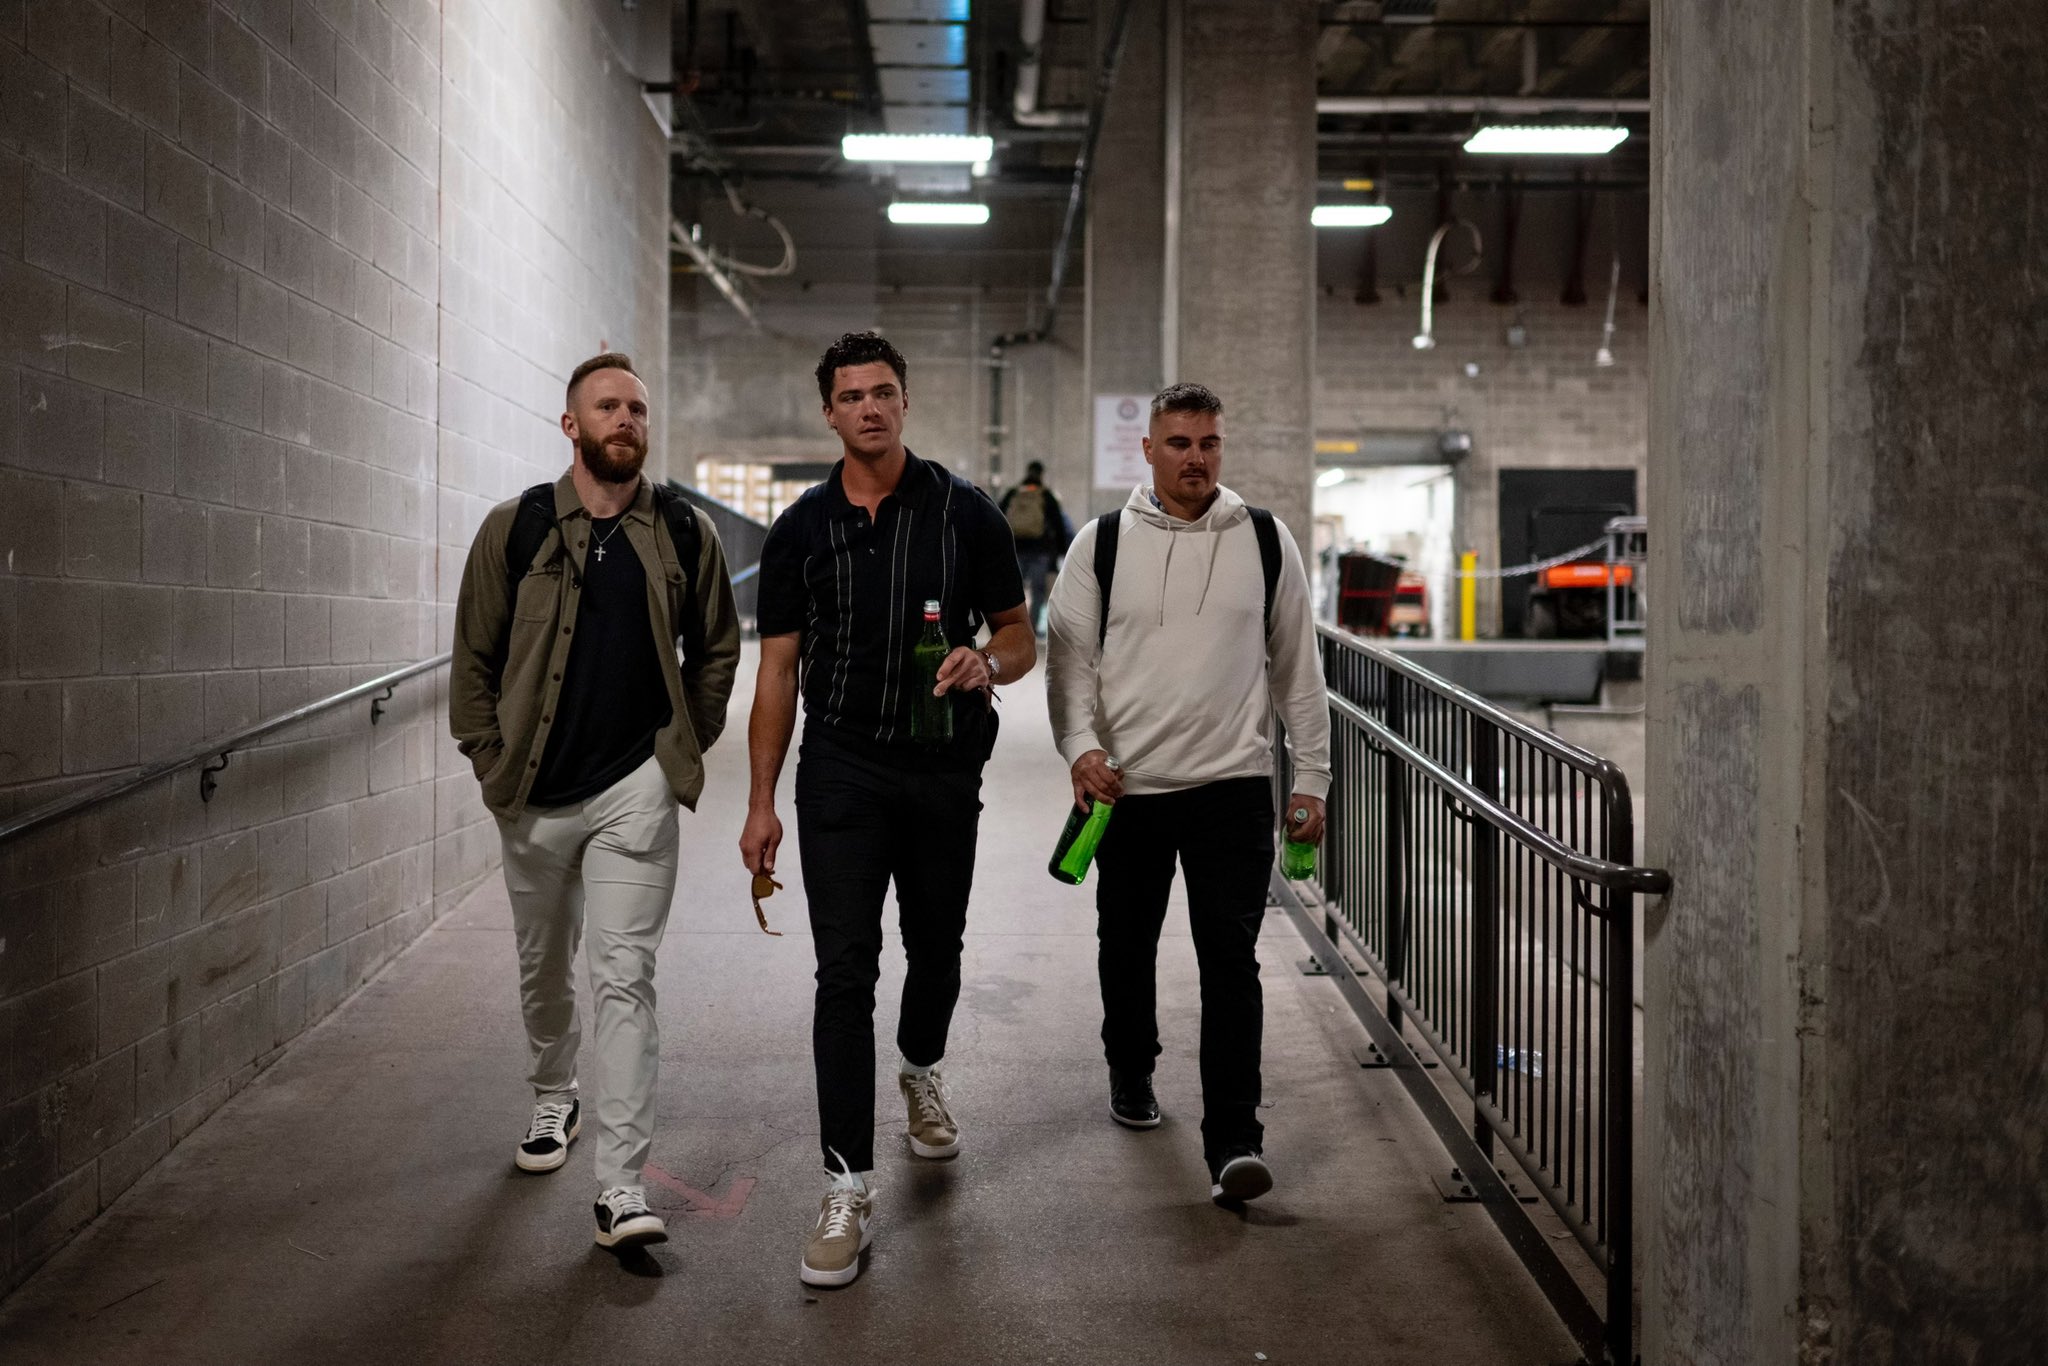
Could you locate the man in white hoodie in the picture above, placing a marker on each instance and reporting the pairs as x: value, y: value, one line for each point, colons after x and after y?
x: 1208, y: 633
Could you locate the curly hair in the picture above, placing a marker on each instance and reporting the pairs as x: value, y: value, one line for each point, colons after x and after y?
x: 1186, y: 398
x: 859, y: 348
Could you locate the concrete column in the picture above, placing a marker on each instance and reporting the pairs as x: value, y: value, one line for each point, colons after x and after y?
x: 1126, y: 261
x: 1846, y: 1060
x: 1240, y: 289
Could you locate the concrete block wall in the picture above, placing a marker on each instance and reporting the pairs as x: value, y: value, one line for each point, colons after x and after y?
x: 744, y: 393
x: 1542, y: 405
x: 289, y: 288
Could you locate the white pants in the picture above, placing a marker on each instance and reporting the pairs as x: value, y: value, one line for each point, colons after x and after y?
x: 602, y: 870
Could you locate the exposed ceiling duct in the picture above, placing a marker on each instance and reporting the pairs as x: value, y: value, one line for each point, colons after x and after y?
x: 919, y: 49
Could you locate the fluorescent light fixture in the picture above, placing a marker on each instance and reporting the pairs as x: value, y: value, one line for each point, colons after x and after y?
x: 1532, y: 142
x: 1349, y: 215
x: 945, y: 147
x: 904, y: 211
x: 1329, y: 479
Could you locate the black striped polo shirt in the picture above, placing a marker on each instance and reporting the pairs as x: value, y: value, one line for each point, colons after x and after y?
x: 853, y: 588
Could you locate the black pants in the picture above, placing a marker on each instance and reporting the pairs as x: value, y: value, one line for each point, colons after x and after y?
x: 1223, y: 835
x: 1036, y: 566
x: 861, y: 822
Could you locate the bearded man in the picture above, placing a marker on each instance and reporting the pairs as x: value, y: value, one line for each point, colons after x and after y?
x: 586, y: 729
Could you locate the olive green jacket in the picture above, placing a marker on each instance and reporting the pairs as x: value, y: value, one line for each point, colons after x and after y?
x: 509, y: 657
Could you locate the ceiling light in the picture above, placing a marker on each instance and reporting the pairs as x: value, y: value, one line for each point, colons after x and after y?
x: 1524, y: 142
x: 1329, y: 479
x: 947, y: 147
x: 904, y: 211
x: 1349, y: 215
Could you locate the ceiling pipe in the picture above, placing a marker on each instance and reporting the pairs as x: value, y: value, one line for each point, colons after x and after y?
x: 1024, y: 103
x: 1515, y: 105
x: 679, y: 238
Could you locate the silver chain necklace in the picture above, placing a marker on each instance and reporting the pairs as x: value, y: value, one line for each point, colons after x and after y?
x: 600, y: 540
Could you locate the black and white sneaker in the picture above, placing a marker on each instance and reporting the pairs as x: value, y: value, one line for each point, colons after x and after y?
x: 623, y: 1219
x: 1241, y: 1175
x: 1131, y: 1102
x: 546, y: 1145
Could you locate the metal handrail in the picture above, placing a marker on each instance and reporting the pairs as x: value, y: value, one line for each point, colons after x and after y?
x: 1556, y: 746
x: 220, y: 746
x: 1620, y: 877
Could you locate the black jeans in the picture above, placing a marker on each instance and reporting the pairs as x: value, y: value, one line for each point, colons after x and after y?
x: 860, y: 823
x: 1036, y: 566
x: 1222, y: 834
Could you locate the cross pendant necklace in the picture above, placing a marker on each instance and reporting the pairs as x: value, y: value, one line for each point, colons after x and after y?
x: 600, y: 540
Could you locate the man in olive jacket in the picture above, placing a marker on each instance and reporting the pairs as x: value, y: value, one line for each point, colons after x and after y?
x: 586, y: 729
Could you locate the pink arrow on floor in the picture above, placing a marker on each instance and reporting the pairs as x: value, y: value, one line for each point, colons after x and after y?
x: 698, y: 1205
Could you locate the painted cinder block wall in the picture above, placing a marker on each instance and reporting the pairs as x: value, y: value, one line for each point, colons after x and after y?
x: 287, y: 292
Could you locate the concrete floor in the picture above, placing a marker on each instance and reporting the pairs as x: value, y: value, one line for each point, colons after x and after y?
x: 357, y: 1202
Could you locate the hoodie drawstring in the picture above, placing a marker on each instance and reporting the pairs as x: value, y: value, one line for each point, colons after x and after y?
x: 1215, y: 532
x: 1164, y: 572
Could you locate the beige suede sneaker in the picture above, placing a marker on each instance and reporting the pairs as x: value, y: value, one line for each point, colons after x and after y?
x: 832, y: 1256
x: 933, y: 1132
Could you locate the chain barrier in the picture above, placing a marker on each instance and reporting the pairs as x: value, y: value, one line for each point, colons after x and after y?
x: 1536, y: 567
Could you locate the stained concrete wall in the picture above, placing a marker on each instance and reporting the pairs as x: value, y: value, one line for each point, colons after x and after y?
x: 289, y: 290
x: 1243, y: 258
x: 1847, y: 775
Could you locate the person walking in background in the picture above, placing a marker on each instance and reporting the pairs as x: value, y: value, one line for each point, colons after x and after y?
x: 888, y: 549
x: 586, y: 731
x: 1042, y: 532
x: 1180, y: 625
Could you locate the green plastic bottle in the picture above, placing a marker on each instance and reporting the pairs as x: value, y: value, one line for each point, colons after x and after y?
x: 1298, y: 857
x: 1078, y: 841
x: 931, y: 718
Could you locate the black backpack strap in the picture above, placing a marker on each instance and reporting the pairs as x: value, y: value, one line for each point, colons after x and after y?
x: 680, y: 516
x: 1268, y: 532
x: 530, y: 527
x: 1106, y: 528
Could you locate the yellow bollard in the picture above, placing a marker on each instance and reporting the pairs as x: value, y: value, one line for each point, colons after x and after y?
x: 1468, y: 596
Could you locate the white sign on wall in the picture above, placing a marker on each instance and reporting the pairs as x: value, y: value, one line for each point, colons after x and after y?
x: 1121, y: 421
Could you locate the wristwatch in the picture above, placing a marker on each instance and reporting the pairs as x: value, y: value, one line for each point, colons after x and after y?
x: 989, y: 658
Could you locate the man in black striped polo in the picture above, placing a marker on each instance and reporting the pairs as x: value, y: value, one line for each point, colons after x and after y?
x: 845, y: 577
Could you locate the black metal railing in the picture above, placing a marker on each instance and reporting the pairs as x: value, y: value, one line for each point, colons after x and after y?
x: 1483, y: 870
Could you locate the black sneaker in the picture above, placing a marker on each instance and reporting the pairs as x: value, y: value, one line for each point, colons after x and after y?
x: 1131, y: 1103
x: 1241, y: 1175
x: 546, y: 1146
x: 623, y: 1219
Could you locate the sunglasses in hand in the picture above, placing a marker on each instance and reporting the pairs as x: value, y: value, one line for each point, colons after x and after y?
x: 764, y: 887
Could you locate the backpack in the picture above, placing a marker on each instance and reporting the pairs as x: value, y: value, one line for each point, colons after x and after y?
x: 536, y: 517
x: 1026, y: 513
x: 1109, y: 525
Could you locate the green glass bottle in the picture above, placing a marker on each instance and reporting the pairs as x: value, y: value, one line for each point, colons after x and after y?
x: 1298, y: 857
x: 1078, y: 841
x: 931, y: 718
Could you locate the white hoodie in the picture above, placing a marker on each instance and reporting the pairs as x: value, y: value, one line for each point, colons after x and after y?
x: 1183, y: 690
